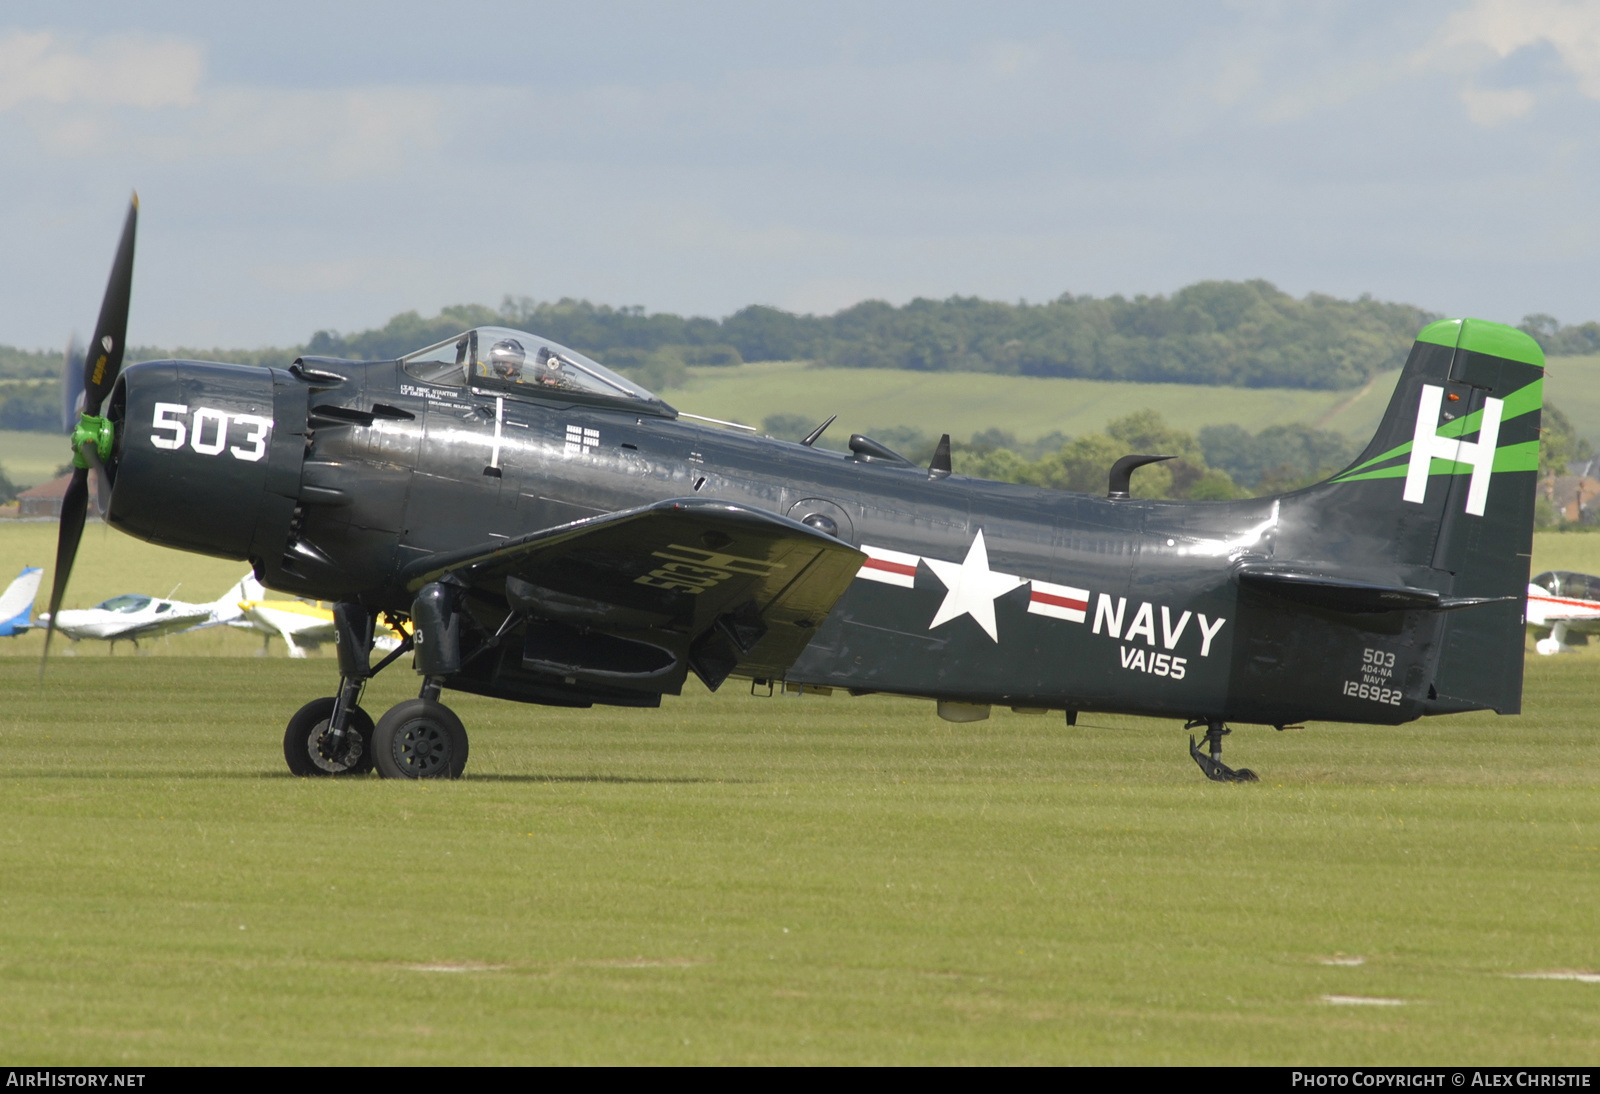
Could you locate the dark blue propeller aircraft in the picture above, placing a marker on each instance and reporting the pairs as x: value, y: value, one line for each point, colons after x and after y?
x: 553, y: 533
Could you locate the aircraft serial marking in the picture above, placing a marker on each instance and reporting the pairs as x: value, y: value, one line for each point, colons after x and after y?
x: 1377, y: 668
x: 167, y: 417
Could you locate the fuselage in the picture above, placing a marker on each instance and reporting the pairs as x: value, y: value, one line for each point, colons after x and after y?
x: 335, y: 476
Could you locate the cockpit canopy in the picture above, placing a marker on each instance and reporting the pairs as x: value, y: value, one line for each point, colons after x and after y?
x: 129, y: 603
x: 1565, y: 583
x: 514, y: 360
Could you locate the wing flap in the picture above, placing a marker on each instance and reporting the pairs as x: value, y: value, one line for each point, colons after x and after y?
x: 730, y: 588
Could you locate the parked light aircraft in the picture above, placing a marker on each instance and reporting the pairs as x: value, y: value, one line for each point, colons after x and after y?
x: 16, y: 603
x: 132, y: 616
x: 1562, y: 603
x: 302, y: 624
x: 556, y: 534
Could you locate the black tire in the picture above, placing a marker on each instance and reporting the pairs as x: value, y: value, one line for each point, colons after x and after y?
x: 305, y: 731
x: 420, y: 739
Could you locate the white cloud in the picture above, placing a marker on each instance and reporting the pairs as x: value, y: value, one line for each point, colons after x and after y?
x: 1505, y: 26
x: 1492, y: 106
x: 335, y: 134
x: 1475, y: 38
x: 118, y: 70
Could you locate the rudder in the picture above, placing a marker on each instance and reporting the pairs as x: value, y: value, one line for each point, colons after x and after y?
x: 1443, y: 498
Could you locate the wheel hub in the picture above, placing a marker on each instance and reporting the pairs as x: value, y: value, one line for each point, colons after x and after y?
x: 422, y: 748
x: 323, y: 756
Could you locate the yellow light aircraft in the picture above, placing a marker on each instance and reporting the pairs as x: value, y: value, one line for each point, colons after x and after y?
x: 302, y: 624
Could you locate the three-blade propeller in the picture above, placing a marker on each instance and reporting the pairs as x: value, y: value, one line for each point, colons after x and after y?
x: 91, y: 440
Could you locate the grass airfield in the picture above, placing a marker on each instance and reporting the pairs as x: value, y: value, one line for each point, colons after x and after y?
x: 816, y: 880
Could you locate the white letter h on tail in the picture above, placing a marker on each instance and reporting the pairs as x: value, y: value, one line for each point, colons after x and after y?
x: 1426, y: 445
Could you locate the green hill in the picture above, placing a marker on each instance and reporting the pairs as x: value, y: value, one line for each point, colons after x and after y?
x: 1573, y: 384
x: 964, y: 403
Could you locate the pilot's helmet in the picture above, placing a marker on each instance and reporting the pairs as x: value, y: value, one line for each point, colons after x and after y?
x: 506, y: 357
x: 549, y: 361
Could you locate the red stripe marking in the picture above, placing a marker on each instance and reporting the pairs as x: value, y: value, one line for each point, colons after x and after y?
x: 1060, y: 601
x: 1590, y: 604
x: 892, y: 567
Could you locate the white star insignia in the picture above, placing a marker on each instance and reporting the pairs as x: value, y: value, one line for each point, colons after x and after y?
x: 972, y: 587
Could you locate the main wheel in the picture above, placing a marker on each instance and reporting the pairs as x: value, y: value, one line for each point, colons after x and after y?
x: 420, y: 739
x: 305, y: 741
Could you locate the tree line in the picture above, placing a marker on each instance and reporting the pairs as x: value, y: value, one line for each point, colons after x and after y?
x: 1239, y: 333
x: 1236, y: 333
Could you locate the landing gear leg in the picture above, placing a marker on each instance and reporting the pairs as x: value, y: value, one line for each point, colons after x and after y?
x: 1555, y: 643
x: 334, y: 736
x: 1212, y: 764
x: 422, y: 738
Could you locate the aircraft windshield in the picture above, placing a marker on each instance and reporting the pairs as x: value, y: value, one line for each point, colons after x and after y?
x: 129, y: 603
x: 504, y: 358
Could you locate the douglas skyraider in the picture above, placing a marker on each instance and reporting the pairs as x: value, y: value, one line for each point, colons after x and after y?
x: 552, y: 533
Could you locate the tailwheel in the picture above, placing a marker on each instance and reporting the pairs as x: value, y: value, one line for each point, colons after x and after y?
x: 309, y: 747
x: 420, y: 739
x: 1212, y: 764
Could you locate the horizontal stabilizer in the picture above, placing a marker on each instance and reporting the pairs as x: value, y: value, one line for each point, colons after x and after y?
x: 1342, y: 594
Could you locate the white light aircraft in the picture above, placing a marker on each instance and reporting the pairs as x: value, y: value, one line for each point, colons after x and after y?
x: 1563, y: 603
x: 133, y: 616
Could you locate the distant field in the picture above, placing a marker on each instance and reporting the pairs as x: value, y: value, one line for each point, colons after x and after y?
x: 32, y: 458
x: 1573, y: 384
x: 963, y: 403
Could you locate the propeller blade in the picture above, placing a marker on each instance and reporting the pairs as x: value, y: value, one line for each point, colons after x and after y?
x: 104, y: 359
x: 71, y: 384
x: 100, y: 368
x: 102, y: 481
x: 74, y: 511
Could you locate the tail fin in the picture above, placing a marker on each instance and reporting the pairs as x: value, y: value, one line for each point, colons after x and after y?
x: 16, y: 603
x: 225, y: 609
x: 1442, y: 499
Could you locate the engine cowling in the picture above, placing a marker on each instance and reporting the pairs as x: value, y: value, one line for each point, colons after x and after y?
x: 207, y: 456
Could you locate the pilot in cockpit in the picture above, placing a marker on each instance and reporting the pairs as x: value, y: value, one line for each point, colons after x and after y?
x: 549, y: 366
x: 506, y: 358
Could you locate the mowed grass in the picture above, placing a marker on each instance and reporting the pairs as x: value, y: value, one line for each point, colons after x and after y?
x: 821, y: 880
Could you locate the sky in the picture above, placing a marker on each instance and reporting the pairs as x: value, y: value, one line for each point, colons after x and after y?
x: 308, y: 166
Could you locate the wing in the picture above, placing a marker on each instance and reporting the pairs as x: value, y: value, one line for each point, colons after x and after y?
x: 720, y: 587
x: 167, y: 623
